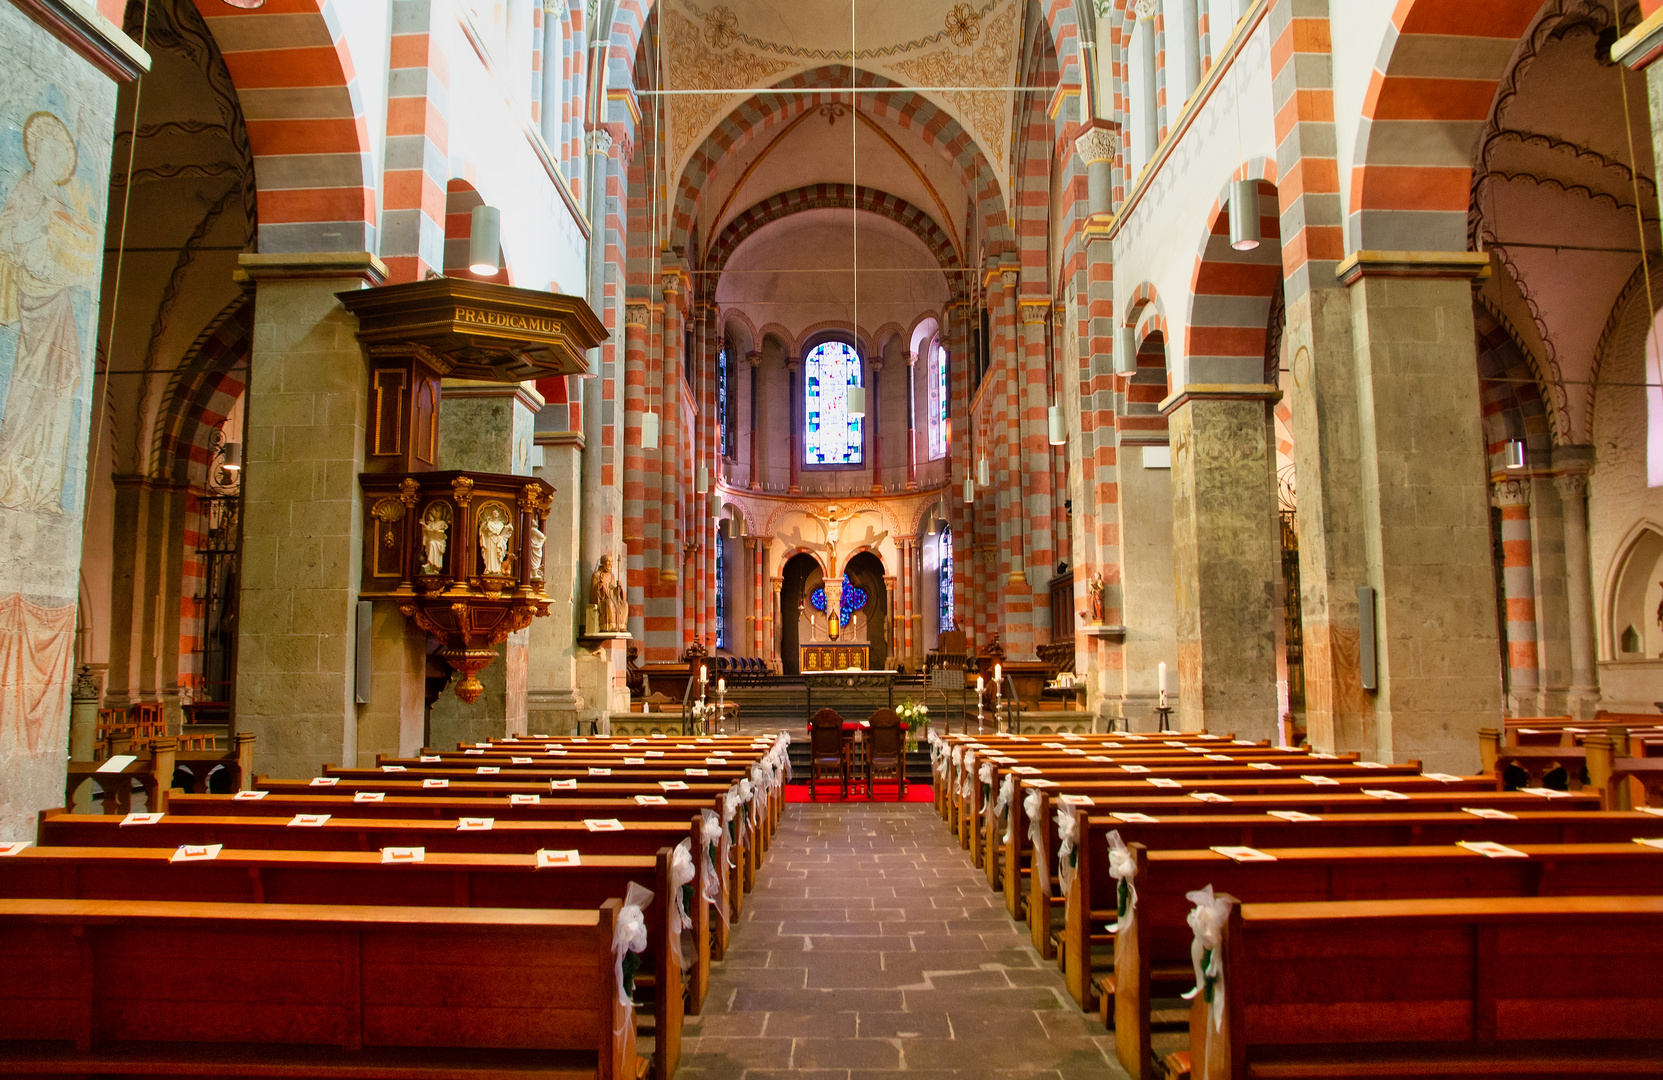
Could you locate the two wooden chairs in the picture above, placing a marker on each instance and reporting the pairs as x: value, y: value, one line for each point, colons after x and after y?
x: 831, y: 754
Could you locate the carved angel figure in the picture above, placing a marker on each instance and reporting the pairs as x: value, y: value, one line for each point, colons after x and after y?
x: 435, y: 537
x: 495, y: 532
x: 537, y: 538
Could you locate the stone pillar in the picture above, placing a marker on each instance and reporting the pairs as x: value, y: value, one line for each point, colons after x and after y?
x: 489, y: 427
x: 794, y: 364
x: 903, y: 578
x: 1573, y: 495
x: 874, y: 424
x: 564, y: 683
x: 1425, y: 506
x: 83, y: 730
x: 308, y: 388
x: 959, y: 464
x: 1512, y: 496
x: 1226, y: 558
x: 1553, y: 621
x: 670, y: 447
x: 753, y: 360
x: 1036, y: 509
x: 1142, y: 517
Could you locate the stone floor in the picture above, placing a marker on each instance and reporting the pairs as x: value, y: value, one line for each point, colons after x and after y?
x: 872, y: 945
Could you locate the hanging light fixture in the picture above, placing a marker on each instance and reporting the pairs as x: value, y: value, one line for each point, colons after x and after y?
x: 1244, y: 215
x: 1515, y: 453
x: 704, y: 479
x: 716, y: 504
x: 484, y: 241
x: 233, y: 457
x: 1059, y: 430
x: 855, y: 402
x: 969, y: 490
x: 649, y: 431
x: 246, y: 5
x: 981, y: 472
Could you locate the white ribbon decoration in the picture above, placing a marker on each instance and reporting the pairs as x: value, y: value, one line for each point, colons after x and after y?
x: 1031, y: 806
x: 714, y: 838
x: 987, y: 773
x: 1123, y: 867
x: 1068, y: 828
x: 1207, y: 919
x: 968, y: 785
x: 730, y: 811
x: 1002, y: 807
x: 629, y: 935
x: 682, y: 872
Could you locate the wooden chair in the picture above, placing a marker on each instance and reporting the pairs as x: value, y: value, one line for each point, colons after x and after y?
x: 825, y: 750
x: 886, y: 752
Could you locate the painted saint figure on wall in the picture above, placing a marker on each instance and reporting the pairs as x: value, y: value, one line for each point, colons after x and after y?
x: 49, y: 247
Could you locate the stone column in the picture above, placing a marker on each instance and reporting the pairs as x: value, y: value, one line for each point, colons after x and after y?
x: 959, y: 464
x: 874, y: 424
x: 1040, y: 544
x: 564, y: 683
x: 308, y: 388
x: 83, y: 729
x: 1512, y: 496
x: 1142, y: 518
x: 670, y: 444
x: 1573, y: 494
x: 753, y: 360
x: 1553, y: 621
x: 1425, y: 505
x: 903, y: 580
x: 1226, y: 558
x: 794, y: 364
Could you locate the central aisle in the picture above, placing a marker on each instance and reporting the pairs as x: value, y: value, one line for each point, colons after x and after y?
x: 870, y: 945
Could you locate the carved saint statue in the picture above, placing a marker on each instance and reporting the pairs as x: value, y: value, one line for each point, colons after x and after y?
x: 607, y: 596
x: 537, y: 539
x: 495, y: 531
x: 435, y: 527
x: 1096, y: 594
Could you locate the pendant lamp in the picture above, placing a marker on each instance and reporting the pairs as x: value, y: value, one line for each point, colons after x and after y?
x: 1244, y: 215
x: 649, y: 431
x: 484, y: 241
x: 704, y: 479
x: 1059, y: 430
x: 855, y: 402
x: 981, y: 472
x: 1515, y: 453
x: 969, y: 490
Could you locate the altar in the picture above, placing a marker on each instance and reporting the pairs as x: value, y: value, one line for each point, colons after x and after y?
x: 832, y: 657
x: 855, y: 679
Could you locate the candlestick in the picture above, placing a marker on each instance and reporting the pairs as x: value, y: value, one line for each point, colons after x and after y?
x: 979, y: 684
x: 1161, y: 679
x: 721, y: 687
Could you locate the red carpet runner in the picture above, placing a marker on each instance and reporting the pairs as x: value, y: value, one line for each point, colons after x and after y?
x: 833, y: 792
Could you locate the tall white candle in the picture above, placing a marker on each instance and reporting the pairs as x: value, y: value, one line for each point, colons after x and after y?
x: 979, y: 684
x: 704, y: 674
x: 998, y: 674
x: 721, y: 686
x: 1161, y: 677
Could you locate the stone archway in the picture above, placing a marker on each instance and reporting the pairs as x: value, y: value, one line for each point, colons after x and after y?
x: 866, y: 570
x: 795, y: 575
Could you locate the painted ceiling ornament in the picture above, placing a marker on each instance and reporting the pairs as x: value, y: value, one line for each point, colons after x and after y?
x: 721, y: 27
x: 964, y: 25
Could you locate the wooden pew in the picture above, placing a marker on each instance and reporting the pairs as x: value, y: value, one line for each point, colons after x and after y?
x: 1152, y: 946
x: 1537, y: 986
x: 329, y: 878
x: 1535, y: 761
x: 284, y: 990
x: 1091, y: 902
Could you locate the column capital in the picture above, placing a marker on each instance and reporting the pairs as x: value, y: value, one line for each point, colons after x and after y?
x: 1464, y: 265
x: 1099, y: 144
x: 1510, y: 491
x: 637, y: 315
x: 598, y: 141
x: 876, y: 364
x: 1008, y: 278
x: 793, y: 364
x: 1034, y: 311
x: 753, y: 358
x: 1571, y: 485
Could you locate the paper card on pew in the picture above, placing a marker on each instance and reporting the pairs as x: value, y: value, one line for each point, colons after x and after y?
x: 620, y: 746
x: 580, y: 738
x: 308, y: 821
x: 673, y: 785
x: 599, y: 770
x: 1205, y: 735
x: 1076, y: 800
x: 1071, y: 737
x: 696, y: 772
x: 1019, y: 738
x: 1491, y: 850
x: 548, y: 858
x: 475, y: 824
x: 1320, y: 781
x: 1369, y: 764
x: 1488, y: 813
x: 1546, y: 793
x: 488, y: 770
x: 473, y: 751
x: 658, y: 735
x: 1053, y: 746
x: 525, y: 800
x: 369, y: 796
x: 245, y: 795
x: 117, y: 763
x: 1384, y: 793
x: 610, y: 824
x: 403, y: 854
x: 1175, y: 742
x: 1024, y: 770
x: 1210, y: 796
x: 1195, y: 749
x: 635, y: 761
x: 325, y: 781
x: 394, y: 768
x: 1442, y: 777
x: 1293, y: 815
x: 1264, y: 766
x: 562, y: 785
x: 12, y: 847
x: 519, y: 761
x: 704, y: 741
x: 1072, y: 750
x: 431, y: 757
x: 1654, y: 811
x: 141, y: 819
x: 652, y: 800
x: 1245, y: 854
x: 1162, y: 781
x: 1135, y: 817
x: 1089, y: 757
x: 654, y: 753
x: 1238, y: 742
x: 1653, y: 842
x: 1134, y: 738
x: 556, y: 753
x: 1043, y: 783
x: 1136, y: 768
x: 196, y: 852
x: 1219, y: 757
x: 1529, y: 731
x: 435, y: 783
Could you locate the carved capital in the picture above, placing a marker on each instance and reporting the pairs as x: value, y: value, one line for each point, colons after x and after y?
x: 1034, y: 311
x: 1008, y: 278
x: 461, y: 489
x: 1146, y: 9
x: 637, y: 315
x: 1099, y: 145
x: 753, y: 358
x: 599, y: 141
x: 409, y: 491
x: 1510, y: 492
x: 1573, y: 485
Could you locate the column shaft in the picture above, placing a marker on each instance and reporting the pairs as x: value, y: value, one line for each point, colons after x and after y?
x: 1573, y: 493
x: 1519, y: 583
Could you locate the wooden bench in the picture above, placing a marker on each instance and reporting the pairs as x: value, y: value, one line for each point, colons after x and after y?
x: 1527, y: 986
x: 285, y: 990
x: 466, y: 880
x: 1152, y: 947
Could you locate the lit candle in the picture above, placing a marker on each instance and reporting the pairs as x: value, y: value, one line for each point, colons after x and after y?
x: 721, y: 686
x: 978, y: 684
x: 998, y: 674
x: 1161, y: 677
x: 704, y: 673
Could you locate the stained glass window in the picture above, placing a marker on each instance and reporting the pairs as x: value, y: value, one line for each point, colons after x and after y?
x: 935, y: 378
x: 947, y: 617
x: 721, y: 598
x: 833, y: 436
x: 722, y: 447
x: 854, y: 598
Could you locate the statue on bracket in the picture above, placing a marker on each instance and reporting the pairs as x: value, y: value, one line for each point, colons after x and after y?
x: 495, y: 532
x: 435, y: 537
x: 607, y: 595
x: 535, y: 552
x: 1097, y: 600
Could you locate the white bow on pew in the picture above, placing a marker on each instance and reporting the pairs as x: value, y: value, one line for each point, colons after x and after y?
x: 714, y: 838
x: 1031, y: 806
x: 1001, y: 808
x: 682, y: 872
x: 1068, y: 828
x: 1123, y: 867
x: 629, y: 937
x: 1207, y: 919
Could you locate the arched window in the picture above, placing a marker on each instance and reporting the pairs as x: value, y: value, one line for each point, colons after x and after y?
x: 833, y: 437
x: 946, y: 563
x: 724, y: 447
x: 935, y: 377
x: 721, y: 596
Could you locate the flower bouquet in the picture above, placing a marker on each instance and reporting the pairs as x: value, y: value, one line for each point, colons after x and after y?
x: 913, y: 717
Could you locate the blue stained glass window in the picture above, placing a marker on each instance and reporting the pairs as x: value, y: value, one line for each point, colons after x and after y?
x: 721, y: 598
x: 935, y: 377
x: 722, y: 401
x: 854, y: 598
x: 947, y: 617
x: 833, y: 437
